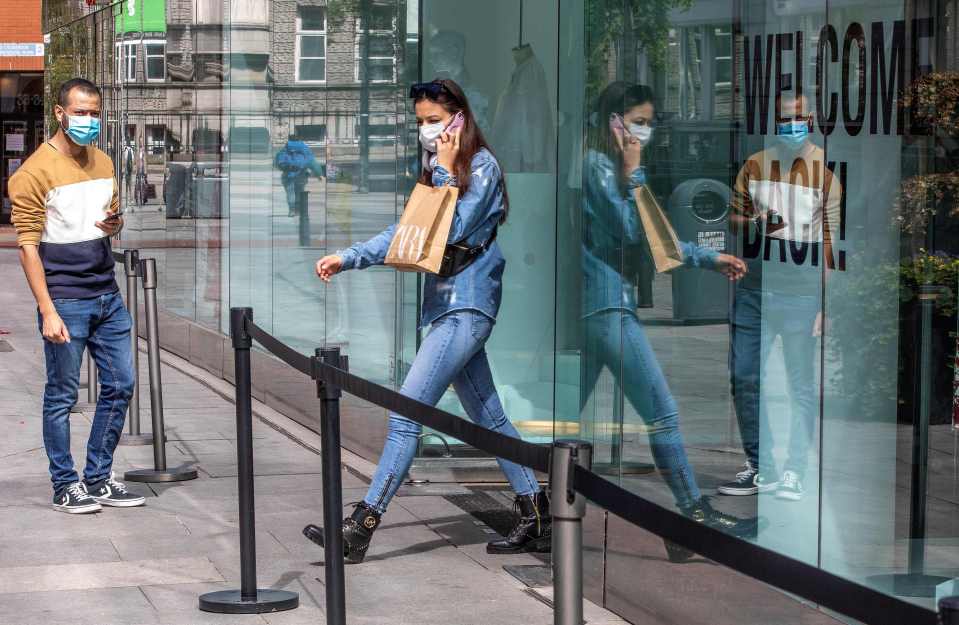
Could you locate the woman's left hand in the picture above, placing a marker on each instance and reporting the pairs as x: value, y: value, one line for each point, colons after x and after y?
x: 447, y: 147
x: 734, y: 268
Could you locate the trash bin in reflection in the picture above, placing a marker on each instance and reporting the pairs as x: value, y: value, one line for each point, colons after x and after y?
x: 208, y: 191
x: 699, y: 211
x: 175, y: 189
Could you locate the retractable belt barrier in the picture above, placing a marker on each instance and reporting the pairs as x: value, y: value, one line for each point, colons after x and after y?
x: 568, y: 463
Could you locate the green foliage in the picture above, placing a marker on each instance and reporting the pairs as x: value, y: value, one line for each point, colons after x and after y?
x: 609, y: 23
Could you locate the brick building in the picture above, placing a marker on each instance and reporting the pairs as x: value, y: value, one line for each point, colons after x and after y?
x: 21, y: 88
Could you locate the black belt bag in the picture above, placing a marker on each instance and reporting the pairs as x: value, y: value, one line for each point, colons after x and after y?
x: 457, y: 257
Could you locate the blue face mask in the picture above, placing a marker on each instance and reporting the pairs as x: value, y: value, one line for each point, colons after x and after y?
x: 83, y: 129
x: 792, y: 134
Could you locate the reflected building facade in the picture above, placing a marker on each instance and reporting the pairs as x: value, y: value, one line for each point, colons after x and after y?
x: 814, y: 142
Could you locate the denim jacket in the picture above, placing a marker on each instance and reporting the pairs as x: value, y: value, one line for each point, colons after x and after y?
x: 479, y: 286
x: 613, y: 229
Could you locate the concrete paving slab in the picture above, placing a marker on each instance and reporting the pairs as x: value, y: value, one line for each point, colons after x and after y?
x: 84, y: 576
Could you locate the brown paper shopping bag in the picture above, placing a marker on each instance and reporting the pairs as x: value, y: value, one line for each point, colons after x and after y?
x: 422, y: 233
x: 663, y: 243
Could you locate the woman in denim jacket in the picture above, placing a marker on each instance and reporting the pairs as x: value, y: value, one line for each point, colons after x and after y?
x: 461, y: 310
x: 613, y: 239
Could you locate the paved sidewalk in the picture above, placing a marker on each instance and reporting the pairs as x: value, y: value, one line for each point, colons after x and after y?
x: 147, y: 565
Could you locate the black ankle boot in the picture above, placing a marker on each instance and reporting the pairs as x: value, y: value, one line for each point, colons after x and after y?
x: 358, y: 531
x: 533, y: 532
x: 703, y: 512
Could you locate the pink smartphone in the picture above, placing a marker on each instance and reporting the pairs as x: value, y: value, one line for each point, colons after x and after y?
x: 616, y: 124
x: 457, y: 124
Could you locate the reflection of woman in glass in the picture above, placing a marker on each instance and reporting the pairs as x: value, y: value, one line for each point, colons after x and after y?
x: 461, y: 310
x: 613, y: 238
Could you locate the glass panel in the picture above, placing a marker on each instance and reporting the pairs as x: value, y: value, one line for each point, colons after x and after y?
x: 312, y: 18
x: 312, y: 69
x: 312, y: 46
x: 155, y: 68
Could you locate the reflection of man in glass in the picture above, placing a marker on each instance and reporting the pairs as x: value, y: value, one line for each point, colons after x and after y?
x: 296, y: 161
x: 784, y: 202
x: 613, y: 237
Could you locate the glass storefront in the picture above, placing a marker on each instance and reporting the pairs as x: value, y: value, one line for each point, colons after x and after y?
x: 810, y: 145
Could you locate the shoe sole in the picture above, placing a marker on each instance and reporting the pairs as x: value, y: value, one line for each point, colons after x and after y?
x: 789, y: 496
x: 133, y: 503
x: 737, y: 492
x: 79, y: 509
x: 536, y: 546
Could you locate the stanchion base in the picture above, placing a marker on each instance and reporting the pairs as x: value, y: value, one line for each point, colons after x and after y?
x: 625, y: 468
x: 177, y: 474
x: 136, y: 439
x: 267, y: 600
x: 908, y: 584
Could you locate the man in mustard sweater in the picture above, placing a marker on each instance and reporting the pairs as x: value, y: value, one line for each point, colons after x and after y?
x: 65, y: 209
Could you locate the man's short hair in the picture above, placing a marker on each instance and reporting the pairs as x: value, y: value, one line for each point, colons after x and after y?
x: 84, y: 85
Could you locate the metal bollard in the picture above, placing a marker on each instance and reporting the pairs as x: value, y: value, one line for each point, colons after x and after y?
x: 160, y: 472
x: 568, y: 510
x: 131, y: 266
x: 949, y: 611
x: 303, y: 208
x: 332, y: 488
x: 248, y: 599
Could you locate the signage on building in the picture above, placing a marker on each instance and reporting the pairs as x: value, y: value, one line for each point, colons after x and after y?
x: 140, y: 16
x: 21, y: 49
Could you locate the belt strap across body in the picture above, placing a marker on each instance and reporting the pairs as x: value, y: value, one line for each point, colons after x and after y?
x: 458, y: 257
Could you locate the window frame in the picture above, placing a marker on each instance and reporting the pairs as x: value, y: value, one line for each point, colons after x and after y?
x: 147, y: 56
x: 300, y: 32
x: 123, y: 60
x: 358, y: 42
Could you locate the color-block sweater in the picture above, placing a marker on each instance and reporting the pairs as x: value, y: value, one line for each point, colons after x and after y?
x: 56, y: 204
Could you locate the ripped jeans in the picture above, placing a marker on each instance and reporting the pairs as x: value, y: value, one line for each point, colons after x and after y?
x: 452, y: 353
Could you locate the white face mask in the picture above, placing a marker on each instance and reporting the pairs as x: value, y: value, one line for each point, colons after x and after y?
x: 643, y: 133
x: 429, y: 133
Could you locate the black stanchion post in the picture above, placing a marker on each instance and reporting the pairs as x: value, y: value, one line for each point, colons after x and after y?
x: 568, y: 508
x: 332, y: 488
x: 131, y: 266
x: 160, y: 472
x: 248, y: 599
x: 949, y: 611
x: 303, y: 208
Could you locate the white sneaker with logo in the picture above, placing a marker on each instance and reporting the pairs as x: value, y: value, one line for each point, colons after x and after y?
x: 790, y: 487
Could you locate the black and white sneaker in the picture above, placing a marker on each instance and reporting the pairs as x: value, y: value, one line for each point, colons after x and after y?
x: 114, y: 493
x: 791, y: 487
x: 74, y: 500
x: 749, y: 481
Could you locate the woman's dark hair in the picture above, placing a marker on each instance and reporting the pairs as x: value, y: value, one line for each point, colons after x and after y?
x: 617, y: 97
x: 453, y: 100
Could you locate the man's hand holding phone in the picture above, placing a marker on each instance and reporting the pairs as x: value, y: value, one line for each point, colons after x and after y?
x: 112, y: 224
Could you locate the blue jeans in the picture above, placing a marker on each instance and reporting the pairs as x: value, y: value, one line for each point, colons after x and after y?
x: 758, y: 318
x: 616, y: 339
x: 102, y: 325
x: 452, y: 353
x: 293, y: 187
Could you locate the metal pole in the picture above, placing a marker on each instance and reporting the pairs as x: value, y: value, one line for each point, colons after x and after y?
x: 332, y: 491
x: 920, y: 435
x: 303, y: 207
x: 949, y: 611
x: 248, y: 599
x: 160, y: 472
x: 131, y: 266
x: 568, y: 509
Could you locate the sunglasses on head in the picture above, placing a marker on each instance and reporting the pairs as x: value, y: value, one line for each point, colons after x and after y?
x: 432, y: 89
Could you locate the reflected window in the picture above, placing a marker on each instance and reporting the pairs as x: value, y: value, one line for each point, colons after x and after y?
x: 382, y: 51
x: 311, y: 44
x: 127, y: 62
x: 155, y: 59
x: 311, y: 133
x: 156, y: 139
